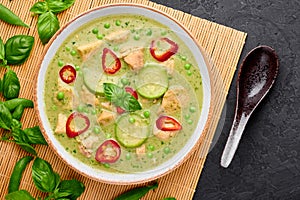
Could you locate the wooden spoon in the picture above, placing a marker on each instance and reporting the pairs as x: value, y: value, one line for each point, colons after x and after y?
x: 256, y: 76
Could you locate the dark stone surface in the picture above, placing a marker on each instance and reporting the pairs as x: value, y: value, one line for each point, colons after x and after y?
x: 267, y: 162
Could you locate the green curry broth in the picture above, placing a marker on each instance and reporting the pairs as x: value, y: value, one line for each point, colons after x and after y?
x: 189, y: 78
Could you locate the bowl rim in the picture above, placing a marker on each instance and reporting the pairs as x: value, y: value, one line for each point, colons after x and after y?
x: 207, y: 62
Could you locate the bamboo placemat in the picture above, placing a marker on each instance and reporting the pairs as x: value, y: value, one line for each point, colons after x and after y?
x: 222, y: 44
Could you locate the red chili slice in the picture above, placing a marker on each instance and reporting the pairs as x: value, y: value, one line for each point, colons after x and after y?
x: 166, y: 123
x: 130, y: 91
x: 67, y: 74
x: 70, y: 128
x: 165, y: 55
x: 108, y: 152
x: 117, y: 63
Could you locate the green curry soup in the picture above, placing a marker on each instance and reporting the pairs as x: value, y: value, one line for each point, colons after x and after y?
x: 123, y: 93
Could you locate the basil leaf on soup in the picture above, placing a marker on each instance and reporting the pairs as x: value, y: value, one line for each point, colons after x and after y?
x: 20, y: 194
x: 39, y: 7
x: 18, y: 48
x: 35, y: 135
x: 57, y: 6
x: 2, y: 53
x: 43, y: 176
x: 5, y: 117
x: 11, y: 84
x: 130, y: 103
x: 70, y: 189
x: 47, y: 26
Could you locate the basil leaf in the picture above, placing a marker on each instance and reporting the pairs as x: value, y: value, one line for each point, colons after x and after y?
x: 130, y: 103
x: 35, y: 135
x: 18, y: 48
x: 47, y: 26
x: 20, y: 136
x: 2, y: 53
x: 57, y: 6
x: 137, y: 193
x: 39, y: 7
x: 5, y: 117
x: 1, y: 84
x: 70, y: 189
x: 43, y: 176
x: 17, y: 195
x: 11, y: 84
x: 27, y: 147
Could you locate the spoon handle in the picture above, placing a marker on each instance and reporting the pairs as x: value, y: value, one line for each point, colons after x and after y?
x: 233, y: 140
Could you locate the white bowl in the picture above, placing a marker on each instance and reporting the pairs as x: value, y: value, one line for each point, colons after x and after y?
x: 124, y: 178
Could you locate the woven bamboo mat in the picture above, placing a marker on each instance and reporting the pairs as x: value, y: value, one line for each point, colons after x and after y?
x: 222, y: 44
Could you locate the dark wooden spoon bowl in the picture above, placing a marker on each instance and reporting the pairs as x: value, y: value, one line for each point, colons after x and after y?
x: 257, y: 74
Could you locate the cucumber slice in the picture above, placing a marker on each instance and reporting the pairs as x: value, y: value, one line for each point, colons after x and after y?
x: 94, y: 80
x: 152, y: 81
x: 131, y: 134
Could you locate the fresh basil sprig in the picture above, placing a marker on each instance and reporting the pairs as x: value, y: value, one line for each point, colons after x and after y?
x: 16, y: 50
x: 20, y: 194
x: 48, y: 22
x: 119, y: 97
x: 11, y: 84
x: 5, y: 117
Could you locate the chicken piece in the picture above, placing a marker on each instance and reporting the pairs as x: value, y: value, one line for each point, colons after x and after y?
x: 87, y: 97
x: 140, y: 150
x: 107, y: 105
x: 87, y: 50
x: 61, y: 124
x: 135, y: 59
x: 106, y: 117
x: 163, y: 135
x: 174, y: 99
x: 84, y: 151
x: 118, y: 36
x: 89, y: 141
x: 169, y: 64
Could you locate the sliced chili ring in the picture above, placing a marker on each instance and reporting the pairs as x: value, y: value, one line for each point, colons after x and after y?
x: 70, y: 126
x: 67, y: 74
x: 108, y: 152
x: 130, y: 91
x: 167, y: 123
x: 117, y: 63
x: 165, y: 55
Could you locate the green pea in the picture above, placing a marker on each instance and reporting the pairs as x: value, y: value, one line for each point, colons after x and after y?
x: 60, y: 95
x: 108, y: 135
x: 73, y: 53
x: 128, y: 156
x: 149, y: 32
x: 167, y: 150
x: 150, y: 147
x: 68, y: 48
x: 189, y: 121
x: 116, y: 48
x: 106, y: 165
x: 80, y: 108
x: 131, y: 120
x: 94, y: 112
x: 60, y: 63
x: 124, y: 81
x: 150, y: 155
x: 183, y: 58
x: 100, y: 36
x: 77, y: 67
x: 136, y: 37
x: 96, y: 130
x: 95, y: 31
x: 163, y: 32
x: 187, y: 66
x: 187, y: 116
x: 118, y: 23
x: 146, y: 113
x: 189, y: 73
x: 107, y: 25
x: 192, y: 109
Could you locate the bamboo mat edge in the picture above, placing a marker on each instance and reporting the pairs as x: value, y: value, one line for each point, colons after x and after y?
x: 224, y: 46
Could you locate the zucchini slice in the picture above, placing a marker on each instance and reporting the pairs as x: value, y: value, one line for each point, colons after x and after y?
x: 131, y: 130
x: 152, y: 81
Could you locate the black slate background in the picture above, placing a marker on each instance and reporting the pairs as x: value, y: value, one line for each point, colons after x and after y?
x: 267, y: 162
